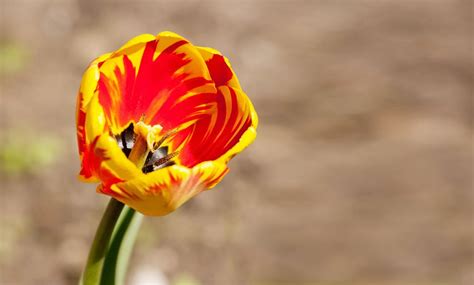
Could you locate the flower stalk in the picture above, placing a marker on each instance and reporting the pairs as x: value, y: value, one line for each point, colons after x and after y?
x: 121, y: 247
x: 100, y: 245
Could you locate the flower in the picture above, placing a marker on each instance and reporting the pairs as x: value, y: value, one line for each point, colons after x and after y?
x: 158, y: 120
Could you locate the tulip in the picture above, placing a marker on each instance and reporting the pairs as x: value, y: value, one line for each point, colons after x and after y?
x: 158, y: 120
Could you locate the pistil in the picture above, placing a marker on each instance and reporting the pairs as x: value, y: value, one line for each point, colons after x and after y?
x: 139, y: 151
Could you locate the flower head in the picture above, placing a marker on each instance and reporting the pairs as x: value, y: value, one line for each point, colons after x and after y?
x: 158, y: 120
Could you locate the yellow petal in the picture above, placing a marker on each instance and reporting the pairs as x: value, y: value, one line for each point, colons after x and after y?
x: 163, y: 191
x: 95, y: 124
x: 88, y: 85
x: 207, y: 53
x: 137, y: 40
x: 114, y: 162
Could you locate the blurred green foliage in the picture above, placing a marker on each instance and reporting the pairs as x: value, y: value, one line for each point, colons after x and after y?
x: 185, y: 279
x: 27, y: 153
x: 13, y: 57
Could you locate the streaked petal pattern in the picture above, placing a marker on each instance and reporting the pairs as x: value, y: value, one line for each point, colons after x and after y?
x: 161, y: 192
x: 219, y: 67
x: 165, y: 81
x: 212, y: 136
x: 185, y: 101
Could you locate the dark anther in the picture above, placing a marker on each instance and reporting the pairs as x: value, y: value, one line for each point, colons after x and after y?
x: 154, y: 156
x: 126, y: 139
x: 165, y: 159
x: 158, y: 159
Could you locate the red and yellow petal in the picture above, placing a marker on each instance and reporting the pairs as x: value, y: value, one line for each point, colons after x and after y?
x: 165, y: 81
x: 219, y: 67
x: 102, y: 158
x: 105, y: 161
x: 86, y: 92
x: 231, y: 125
x: 91, y: 125
x: 161, y: 192
x: 212, y: 137
x: 247, y: 137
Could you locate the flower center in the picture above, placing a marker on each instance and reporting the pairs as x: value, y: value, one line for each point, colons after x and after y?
x: 143, y: 145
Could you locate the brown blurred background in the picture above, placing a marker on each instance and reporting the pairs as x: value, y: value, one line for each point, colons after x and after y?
x: 361, y: 172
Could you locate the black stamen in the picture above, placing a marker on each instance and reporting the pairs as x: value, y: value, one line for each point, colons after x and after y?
x: 165, y: 159
x: 128, y: 136
x: 156, y: 155
x: 147, y: 169
x: 119, y: 141
x: 159, y: 159
x: 126, y: 139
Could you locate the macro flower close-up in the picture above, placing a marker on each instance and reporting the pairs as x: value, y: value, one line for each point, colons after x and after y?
x: 236, y: 142
x: 158, y: 120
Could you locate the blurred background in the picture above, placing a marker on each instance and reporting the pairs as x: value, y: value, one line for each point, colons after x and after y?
x: 361, y: 172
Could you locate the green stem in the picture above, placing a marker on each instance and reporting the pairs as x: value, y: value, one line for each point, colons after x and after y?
x: 100, y: 245
x: 121, y: 246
